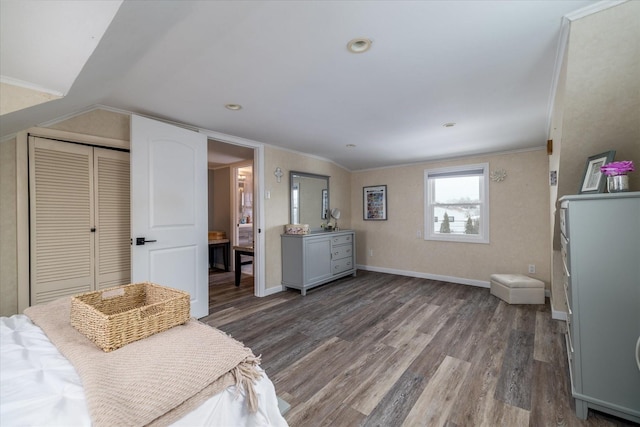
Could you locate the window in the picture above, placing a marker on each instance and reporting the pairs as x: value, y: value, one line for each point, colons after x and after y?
x: 457, y: 203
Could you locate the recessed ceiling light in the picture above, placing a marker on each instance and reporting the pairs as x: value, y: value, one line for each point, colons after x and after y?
x: 351, y: 145
x: 234, y: 107
x: 449, y: 125
x: 359, y: 45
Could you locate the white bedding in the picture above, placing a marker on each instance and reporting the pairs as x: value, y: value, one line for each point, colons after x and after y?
x: 39, y: 387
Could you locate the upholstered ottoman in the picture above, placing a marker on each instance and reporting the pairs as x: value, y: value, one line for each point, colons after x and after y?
x: 517, y: 288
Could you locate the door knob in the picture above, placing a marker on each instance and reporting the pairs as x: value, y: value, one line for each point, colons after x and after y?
x: 141, y: 241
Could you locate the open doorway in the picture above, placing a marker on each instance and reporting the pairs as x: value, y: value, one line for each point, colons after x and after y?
x: 231, y: 222
x: 243, y: 215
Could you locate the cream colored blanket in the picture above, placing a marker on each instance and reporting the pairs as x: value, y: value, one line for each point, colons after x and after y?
x: 155, y: 380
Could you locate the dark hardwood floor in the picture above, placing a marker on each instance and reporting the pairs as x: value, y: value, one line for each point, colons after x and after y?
x: 386, y: 350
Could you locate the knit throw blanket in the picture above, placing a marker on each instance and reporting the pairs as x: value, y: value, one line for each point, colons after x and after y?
x: 156, y: 380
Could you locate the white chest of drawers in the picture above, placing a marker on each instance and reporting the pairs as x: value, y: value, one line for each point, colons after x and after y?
x: 601, y: 255
x: 314, y: 259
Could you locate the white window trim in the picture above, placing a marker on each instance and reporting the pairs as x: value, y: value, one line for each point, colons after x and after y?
x: 483, y: 236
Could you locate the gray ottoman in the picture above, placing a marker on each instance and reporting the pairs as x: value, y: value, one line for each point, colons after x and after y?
x: 517, y: 288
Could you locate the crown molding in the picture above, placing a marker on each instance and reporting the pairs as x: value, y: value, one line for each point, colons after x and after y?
x: 593, y: 8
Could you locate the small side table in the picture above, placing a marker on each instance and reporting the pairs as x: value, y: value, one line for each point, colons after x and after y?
x: 220, y: 243
x: 241, y: 250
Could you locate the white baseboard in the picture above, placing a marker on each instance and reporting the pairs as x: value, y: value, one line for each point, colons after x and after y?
x: 274, y: 290
x: 451, y: 279
x: 557, y: 314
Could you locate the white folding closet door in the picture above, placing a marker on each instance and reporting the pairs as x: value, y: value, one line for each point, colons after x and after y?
x: 80, y: 219
x: 61, y: 215
x: 113, y: 218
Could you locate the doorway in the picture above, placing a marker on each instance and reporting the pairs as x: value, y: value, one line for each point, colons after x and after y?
x: 231, y: 215
x: 243, y: 205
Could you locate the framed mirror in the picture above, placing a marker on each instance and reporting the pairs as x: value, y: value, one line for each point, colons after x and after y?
x: 309, y: 200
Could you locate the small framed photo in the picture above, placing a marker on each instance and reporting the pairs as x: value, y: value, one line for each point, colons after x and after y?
x: 375, y: 203
x: 593, y: 181
x: 325, y: 204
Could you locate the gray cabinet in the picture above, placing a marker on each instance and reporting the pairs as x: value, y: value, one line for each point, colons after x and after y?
x: 314, y: 259
x: 601, y: 255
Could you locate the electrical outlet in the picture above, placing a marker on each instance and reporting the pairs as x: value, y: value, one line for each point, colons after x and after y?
x: 532, y: 269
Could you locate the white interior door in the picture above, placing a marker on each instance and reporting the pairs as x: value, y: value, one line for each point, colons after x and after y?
x: 169, y: 209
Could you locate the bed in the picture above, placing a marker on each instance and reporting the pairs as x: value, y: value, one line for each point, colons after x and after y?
x: 40, y: 386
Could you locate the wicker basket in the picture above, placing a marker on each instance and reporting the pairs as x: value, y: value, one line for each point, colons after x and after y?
x: 296, y: 229
x: 114, y: 317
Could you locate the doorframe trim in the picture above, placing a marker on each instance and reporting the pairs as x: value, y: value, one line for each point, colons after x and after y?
x: 22, y: 219
x: 258, y: 203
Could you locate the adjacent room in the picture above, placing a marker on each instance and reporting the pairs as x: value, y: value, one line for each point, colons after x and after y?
x: 354, y: 213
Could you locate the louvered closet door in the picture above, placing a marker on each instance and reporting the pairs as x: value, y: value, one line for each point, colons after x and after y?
x: 61, y: 209
x: 113, y: 213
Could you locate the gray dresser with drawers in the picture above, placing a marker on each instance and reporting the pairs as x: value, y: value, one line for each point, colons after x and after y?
x: 311, y: 260
x: 601, y: 255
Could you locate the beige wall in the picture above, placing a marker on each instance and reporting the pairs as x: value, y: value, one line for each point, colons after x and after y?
x: 602, y: 99
x: 14, y: 98
x: 598, y: 105
x: 220, y: 200
x: 557, y: 295
x: 519, y: 226
x: 277, y: 206
x: 103, y: 123
x: 8, y: 256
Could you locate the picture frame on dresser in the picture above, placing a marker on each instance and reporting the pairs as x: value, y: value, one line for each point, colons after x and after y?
x: 593, y: 181
x: 325, y: 204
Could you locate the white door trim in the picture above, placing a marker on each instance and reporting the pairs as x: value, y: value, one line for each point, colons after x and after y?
x: 258, y: 209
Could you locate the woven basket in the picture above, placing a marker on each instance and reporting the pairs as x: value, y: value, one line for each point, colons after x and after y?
x: 296, y: 229
x: 114, y: 317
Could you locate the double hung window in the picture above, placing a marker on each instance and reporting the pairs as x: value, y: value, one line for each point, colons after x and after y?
x: 457, y: 203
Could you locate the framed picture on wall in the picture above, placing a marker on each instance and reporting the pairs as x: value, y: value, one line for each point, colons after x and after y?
x: 375, y: 203
x: 593, y: 181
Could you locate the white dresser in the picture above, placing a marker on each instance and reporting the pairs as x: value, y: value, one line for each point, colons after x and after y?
x: 601, y: 254
x: 311, y: 260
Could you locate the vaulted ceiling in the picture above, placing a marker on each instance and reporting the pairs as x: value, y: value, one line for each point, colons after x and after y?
x: 487, y: 66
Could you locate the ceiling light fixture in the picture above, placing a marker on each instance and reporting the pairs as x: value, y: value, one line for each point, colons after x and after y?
x: 359, y: 45
x: 351, y: 145
x: 233, y: 107
x: 449, y: 125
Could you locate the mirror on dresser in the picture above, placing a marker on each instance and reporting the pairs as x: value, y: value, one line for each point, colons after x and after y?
x: 309, y: 201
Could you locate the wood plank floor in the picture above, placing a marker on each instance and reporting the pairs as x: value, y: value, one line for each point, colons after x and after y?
x: 387, y: 350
